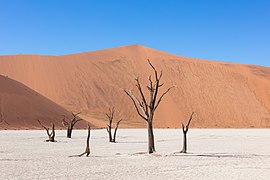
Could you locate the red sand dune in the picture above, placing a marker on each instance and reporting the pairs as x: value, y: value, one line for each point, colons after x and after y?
x: 20, y: 107
x: 221, y: 94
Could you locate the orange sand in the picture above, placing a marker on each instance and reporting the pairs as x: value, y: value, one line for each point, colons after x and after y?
x: 221, y: 94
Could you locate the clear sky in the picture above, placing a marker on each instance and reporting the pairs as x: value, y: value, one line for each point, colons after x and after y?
x: 225, y: 30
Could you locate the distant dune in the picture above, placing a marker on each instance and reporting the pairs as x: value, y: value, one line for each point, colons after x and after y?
x: 20, y: 107
x: 222, y: 94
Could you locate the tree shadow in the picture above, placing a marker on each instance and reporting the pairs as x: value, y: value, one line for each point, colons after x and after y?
x: 211, y: 155
x: 131, y: 142
x: 155, y: 154
x: 73, y: 156
x: 218, y: 155
x: 14, y: 159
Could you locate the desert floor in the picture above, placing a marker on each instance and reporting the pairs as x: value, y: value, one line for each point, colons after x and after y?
x: 213, y: 154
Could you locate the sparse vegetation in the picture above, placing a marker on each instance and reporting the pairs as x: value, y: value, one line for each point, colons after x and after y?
x: 185, y: 130
x: 51, y: 134
x: 70, y: 124
x: 87, y: 149
x: 110, y: 116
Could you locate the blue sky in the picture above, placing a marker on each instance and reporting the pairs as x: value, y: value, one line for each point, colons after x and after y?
x: 225, y: 30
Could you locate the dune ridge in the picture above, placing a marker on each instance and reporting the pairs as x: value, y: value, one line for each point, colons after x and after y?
x: 222, y: 94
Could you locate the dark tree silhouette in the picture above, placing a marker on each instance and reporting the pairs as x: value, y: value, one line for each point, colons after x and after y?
x: 51, y: 134
x: 110, y: 116
x: 146, y: 110
x: 70, y: 124
x: 185, y: 130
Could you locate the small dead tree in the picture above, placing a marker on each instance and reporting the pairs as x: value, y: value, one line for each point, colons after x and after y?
x: 185, y: 130
x: 115, y: 129
x: 3, y: 118
x: 70, y: 124
x: 51, y: 134
x: 2, y: 121
x: 87, y: 149
x: 110, y: 116
x: 146, y: 110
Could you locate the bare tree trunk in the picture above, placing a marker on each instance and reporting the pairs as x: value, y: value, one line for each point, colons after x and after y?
x: 87, y: 149
x: 109, y: 130
x: 184, y: 150
x: 114, y: 136
x: 185, y: 130
x: 151, y: 140
x: 115, y: 130
x: 69, y: 132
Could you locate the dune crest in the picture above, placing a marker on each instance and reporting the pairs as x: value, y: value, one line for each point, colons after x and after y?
x: 222, y: 94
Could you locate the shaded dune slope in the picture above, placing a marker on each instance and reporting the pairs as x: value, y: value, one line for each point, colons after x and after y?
x: 20, y: 107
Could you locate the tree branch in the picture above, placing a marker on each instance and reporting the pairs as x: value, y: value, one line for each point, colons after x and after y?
x: 75, y: 114
x: 74, y: 122
x: 136, y: 107
x: 155, y: 71
x: 64, y: 122
x: 47, y: 129
x: 162, y: 97
x: 142, y: 95
x: 187, y: 126
x: 117, y: 123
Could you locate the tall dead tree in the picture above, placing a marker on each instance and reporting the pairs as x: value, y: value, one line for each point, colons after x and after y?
x: 70, y: 124
x: 146, y: 110
x: 51, y: 134
x: 110, y: 116
x: 185, y: 130
x: 87, y: 149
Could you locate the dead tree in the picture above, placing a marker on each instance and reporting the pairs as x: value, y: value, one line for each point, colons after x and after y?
x: 70, y: 125
x: 146, y: 110
x: 185, y: 130
x: 115, y: 129
x: 87, y: 149
x: 51, y: 134
x: 2, y: 121
x: 2, y: 117
x: 110, y: 117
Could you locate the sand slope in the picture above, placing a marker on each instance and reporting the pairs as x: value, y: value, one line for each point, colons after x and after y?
x: 20, y: 107
x: 222, y: 94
